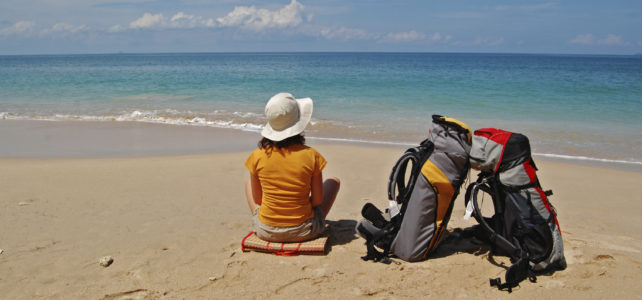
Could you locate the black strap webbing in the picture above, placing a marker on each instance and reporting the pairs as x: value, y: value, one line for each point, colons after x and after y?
x: 520, y: 270
x: 397, y: 181
x: 515, y: 274
x: 495, y: 238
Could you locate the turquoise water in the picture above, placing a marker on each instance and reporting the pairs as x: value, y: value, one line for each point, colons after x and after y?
x: 572, y: 106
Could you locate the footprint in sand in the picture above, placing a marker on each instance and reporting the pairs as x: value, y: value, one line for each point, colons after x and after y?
x: 27, y: 202
x: 234, y: 269
x: 134, y: 295
x: 603, y: 257
x: 233, y: 225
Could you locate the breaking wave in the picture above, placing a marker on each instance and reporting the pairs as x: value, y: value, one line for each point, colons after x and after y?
x: 219, y: 119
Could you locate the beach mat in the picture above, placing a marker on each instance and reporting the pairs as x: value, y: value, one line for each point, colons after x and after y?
x: 317, y: 246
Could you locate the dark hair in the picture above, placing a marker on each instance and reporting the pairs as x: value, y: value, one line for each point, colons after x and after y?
x: 266, y: 143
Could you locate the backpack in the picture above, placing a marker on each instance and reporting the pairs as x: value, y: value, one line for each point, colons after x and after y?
x: 524, y: 226
x: 420, y: 207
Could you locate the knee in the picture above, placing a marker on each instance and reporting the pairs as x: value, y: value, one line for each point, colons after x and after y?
x: 334, y: 181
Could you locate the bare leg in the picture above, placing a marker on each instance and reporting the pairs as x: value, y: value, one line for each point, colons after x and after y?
x: 248, y: 194
x: 330, y: 190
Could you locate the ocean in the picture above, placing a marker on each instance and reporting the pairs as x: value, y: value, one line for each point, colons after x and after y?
x: 575, y: 107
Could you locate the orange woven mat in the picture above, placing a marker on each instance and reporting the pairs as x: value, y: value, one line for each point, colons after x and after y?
x: 312, y: 247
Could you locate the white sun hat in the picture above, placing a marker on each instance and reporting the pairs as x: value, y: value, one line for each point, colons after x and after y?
x: 286, y: 116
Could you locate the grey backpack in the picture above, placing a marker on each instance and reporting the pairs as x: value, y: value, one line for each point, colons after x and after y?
x: 420, y: 206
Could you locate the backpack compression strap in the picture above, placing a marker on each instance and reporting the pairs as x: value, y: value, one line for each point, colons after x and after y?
x: 373, y: 253
x: 515, y: 274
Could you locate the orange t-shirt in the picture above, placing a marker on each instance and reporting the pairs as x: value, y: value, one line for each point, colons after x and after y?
x: 285, y: 175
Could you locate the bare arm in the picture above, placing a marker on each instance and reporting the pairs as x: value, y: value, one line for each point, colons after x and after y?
x: 257, y: 191
x: 317, y: 189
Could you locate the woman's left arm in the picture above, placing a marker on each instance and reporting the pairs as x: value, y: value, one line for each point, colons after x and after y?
x: 257, y: 190
x: 316, y: 189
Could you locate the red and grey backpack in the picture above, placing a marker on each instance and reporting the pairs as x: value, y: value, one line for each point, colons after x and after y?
x: 524, y: 225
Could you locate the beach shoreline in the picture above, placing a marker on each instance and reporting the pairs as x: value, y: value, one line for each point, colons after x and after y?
x: 173, y: 223
x: 87, y: 139
x: 578, y: 106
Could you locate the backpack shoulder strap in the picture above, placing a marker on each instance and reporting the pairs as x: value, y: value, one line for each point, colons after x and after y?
x: 520, y: 269
x: 398, y: 190
x: 494, y: 237
x: 397, y: 179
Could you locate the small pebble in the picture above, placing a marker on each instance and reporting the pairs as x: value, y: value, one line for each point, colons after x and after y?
x: 1, y: 251
x: 106, y: 261
x: 213, y: 278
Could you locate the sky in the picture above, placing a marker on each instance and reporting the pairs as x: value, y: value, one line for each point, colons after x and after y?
x: 151, y: 26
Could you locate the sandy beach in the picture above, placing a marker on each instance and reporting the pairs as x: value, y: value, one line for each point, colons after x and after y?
x: 173, y: 223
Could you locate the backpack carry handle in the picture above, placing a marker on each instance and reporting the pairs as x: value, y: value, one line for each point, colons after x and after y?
x: 458, y: 126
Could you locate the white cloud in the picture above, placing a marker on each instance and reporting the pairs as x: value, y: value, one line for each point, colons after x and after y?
x: 583, y: 39
x: 148, y: 21
x: 415, y: 36
x: 344, y: 33
x: 260, y: 19
x: 159, y: 21
x: 182, y: 20
x: 244, y: 17
x: 116, y: 28
x: 589, y: 39
x: 28, y: 28
x: 19, y: 28
x: 611, y: 40
x: 64, y: 29
x: 405, y: 36
x: 439, y: 38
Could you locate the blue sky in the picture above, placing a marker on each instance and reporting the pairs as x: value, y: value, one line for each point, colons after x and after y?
x: 108, y: 26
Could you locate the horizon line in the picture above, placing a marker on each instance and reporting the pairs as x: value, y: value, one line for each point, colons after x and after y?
x: 295, y: 52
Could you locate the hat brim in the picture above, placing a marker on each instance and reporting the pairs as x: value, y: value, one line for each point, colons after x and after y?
x: 305, y: 114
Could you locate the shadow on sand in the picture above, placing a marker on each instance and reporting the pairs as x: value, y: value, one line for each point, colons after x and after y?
x: 342, y: 232
x: 461, y: 240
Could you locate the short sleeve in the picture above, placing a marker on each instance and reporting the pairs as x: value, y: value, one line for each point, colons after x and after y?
x: 251, y: 163
x: 319, y: 162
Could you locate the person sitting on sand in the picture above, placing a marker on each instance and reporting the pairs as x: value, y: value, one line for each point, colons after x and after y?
x: 286, y: 193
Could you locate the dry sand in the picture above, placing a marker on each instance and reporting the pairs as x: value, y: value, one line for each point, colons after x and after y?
x: 174, y: 224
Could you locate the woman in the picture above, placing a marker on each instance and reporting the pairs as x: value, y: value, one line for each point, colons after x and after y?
x: 286, y: 193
